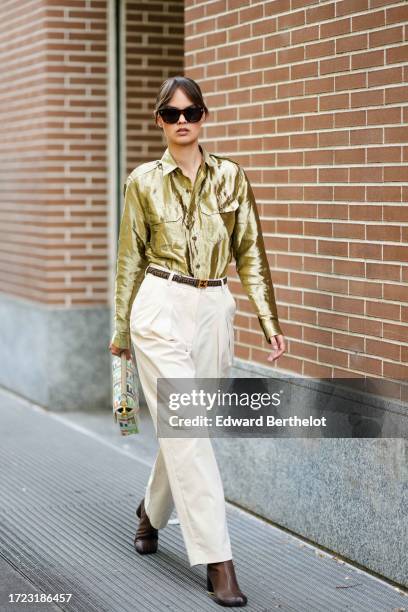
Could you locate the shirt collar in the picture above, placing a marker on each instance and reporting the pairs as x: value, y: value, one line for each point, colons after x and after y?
x: 169, y: 163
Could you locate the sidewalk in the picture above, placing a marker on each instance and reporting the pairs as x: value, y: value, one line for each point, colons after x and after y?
x: 69, y: 488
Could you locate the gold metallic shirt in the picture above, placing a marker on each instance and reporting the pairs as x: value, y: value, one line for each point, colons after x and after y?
x: 193, y: 229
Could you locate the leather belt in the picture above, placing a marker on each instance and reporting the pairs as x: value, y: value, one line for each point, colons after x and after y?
x: 189, y: 280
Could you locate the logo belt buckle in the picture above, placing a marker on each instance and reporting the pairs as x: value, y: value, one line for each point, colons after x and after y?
x: 202, y: 283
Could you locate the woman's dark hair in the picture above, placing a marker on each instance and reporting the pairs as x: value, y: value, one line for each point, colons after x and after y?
x: 169, y: 86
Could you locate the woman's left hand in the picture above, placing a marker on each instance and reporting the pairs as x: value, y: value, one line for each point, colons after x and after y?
x: 278, y: 346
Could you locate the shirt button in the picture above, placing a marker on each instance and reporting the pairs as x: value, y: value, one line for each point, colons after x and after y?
x: 197, y: 265
x: 194, y: 237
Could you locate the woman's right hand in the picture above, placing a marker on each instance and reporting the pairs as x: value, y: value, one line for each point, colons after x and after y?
x: 115, y: 350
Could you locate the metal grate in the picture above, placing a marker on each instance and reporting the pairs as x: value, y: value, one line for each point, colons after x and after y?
x: 67, y: 522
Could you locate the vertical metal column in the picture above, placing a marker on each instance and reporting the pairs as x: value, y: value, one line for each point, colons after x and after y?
x: 116, y: 129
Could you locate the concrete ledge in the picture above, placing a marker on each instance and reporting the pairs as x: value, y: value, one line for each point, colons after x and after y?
x: 348, y: 495
x: 56, y: 357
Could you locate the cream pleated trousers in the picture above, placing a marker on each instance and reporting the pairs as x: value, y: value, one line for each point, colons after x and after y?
x: 181, y: 331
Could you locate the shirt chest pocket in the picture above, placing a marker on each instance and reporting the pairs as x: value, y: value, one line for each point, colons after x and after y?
x: 218, y: 217
x: 166, y: 226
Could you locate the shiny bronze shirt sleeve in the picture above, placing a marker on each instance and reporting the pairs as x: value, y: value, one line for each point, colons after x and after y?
x: 251, y: 261
x: 131, y: 261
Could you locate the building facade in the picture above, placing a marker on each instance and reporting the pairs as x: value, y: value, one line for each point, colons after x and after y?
x: 311, y: 99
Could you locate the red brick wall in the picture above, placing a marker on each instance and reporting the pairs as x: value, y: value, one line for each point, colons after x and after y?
x: 311, y: 99
x: 53, y: 158
x: 154, y: 51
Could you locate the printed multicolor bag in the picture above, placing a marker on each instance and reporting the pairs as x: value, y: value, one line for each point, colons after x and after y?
x: 125, y: 395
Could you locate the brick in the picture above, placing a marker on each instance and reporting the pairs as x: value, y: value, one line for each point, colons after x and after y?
x: 309, y: 98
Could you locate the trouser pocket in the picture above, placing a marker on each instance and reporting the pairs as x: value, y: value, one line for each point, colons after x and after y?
x: 153, y: 313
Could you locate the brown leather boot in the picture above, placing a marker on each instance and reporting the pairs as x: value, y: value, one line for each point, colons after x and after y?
x: 146, y: 538
x: 222, y: 584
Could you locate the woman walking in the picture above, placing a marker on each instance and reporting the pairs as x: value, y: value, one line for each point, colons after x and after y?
x: 185, y: 216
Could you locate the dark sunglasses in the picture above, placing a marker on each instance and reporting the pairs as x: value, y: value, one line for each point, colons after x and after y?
x: 170, y: 114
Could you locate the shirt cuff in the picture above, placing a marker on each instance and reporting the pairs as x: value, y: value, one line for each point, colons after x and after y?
x: 270, y: 327
x: 121, y: 340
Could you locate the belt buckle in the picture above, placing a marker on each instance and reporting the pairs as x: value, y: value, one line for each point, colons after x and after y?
x: 202, y: 283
